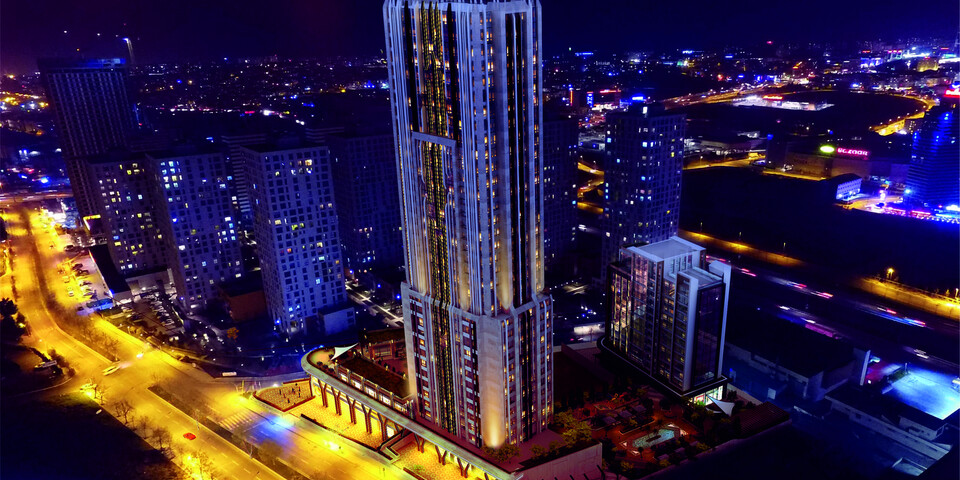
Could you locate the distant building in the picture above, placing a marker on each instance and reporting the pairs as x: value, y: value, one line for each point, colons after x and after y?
x: 759, y: 361
x: 870, y: 160
x: 196, y: 215
x: 909, y: 426
x: 295, y: 227
x: 368, y: 202
x: 934, y: 168
x: 240, y: 197
x: 94, y: 113
x: 668, y: 315
x: 844, y: 187
x: 123, y: 188
x: 644, y: 162
x: 560, y: 139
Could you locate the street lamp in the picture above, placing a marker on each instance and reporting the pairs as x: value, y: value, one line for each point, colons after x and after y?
x: 890, y: 273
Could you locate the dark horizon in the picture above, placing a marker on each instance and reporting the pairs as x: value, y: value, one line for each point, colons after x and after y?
x: 251, y: 28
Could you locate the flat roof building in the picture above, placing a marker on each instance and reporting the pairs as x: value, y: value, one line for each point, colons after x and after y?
x: 94, y: 113
x: 197, y: 218
x: 295, y: 227
x: 644, y: 162
x: 668, y: 312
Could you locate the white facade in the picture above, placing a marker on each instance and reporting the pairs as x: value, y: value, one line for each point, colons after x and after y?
x: 466, y: 95
x: 295, y: 227
x: 200, y: 231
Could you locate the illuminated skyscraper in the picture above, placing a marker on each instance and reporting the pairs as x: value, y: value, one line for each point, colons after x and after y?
x: 466, y: 94
x: 94, y: 113
x: 934, y: 169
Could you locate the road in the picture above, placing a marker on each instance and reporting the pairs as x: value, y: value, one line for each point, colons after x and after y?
x: 390, y: 319
x: 142, y: 366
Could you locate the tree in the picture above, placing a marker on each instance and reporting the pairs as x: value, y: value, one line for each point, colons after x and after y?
x: 8, y: 308
x: 271, y: 450
x: 123, y: 410
x: 205, y: 466
x: 98, y: 393
x: 538, y: 451
x: 232, y: 333
x: 578, y: 432
x: 140, y: 424
x: 555, y: 446
x: 162, y: 436
x: 564, y: 419
x: 504, y: 453
x: 10, y: 331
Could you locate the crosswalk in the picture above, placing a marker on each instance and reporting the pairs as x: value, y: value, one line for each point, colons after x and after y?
x: 240, y: 420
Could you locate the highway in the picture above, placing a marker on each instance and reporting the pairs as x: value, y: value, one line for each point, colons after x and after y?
x: 141, y: 366
x: 892, y: 332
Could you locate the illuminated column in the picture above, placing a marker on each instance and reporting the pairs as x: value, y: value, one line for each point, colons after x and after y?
x: 466, y: 92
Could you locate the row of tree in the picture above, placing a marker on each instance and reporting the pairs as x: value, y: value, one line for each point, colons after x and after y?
x: 13, y: 325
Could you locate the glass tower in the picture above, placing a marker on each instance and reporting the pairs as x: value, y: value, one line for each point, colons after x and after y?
x: 668, y: 313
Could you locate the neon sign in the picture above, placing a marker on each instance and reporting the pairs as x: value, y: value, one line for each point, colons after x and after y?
x: 772, y: 97
x: 852, y: 151
x: 953, y: 92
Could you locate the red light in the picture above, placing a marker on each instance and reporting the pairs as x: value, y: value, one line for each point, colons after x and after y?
x: 852, y: 151
x: 953, y: 92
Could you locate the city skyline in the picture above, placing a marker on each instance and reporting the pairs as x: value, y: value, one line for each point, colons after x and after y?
x: 254, y: 28
x: 480, y: 240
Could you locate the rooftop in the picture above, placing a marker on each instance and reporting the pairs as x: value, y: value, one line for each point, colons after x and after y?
x: 280, y: 145
x: 113, y: 279
x: 323, y: 358
x: 672, y: 247
x: 115, y: 156
x: 185, y: 150
x: 382, y: 335
x: 703, y: 277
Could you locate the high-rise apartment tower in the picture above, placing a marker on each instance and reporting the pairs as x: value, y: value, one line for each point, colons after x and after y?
x: 466, y: 88
x: 93, y: 112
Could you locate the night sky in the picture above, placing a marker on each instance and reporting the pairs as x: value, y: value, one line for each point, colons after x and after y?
x: 206, y: 29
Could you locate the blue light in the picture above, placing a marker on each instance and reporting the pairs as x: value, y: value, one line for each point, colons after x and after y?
x: 44, y: 180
